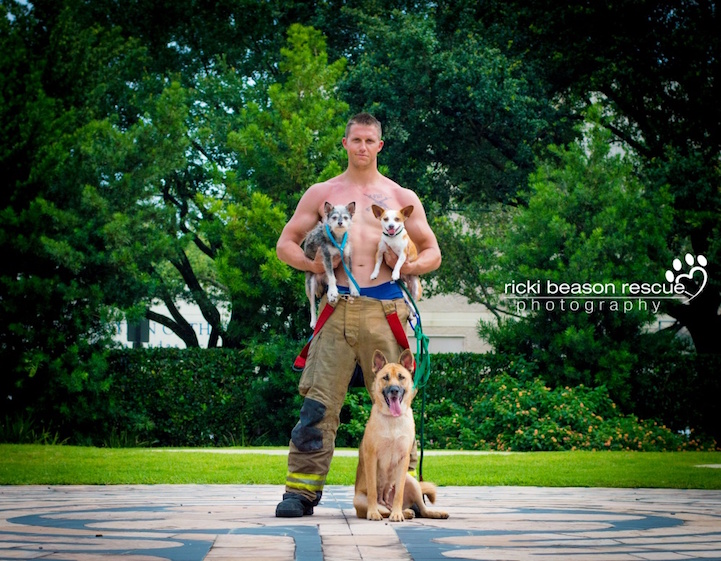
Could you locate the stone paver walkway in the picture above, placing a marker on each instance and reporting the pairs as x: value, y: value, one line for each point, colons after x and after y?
x: 236, y: 522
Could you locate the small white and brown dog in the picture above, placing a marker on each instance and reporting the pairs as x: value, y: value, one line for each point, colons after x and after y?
x: 396, y: 237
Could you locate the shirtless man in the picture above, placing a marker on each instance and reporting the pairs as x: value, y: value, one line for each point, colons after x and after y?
x: 358, y: 326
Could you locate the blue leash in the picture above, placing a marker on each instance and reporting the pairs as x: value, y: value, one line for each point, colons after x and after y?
x: 340, y: 248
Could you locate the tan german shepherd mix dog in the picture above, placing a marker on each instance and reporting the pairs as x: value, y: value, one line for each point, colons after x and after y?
x: 382, y: 479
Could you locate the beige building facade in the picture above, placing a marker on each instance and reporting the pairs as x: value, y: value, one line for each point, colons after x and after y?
x: 449, y: 321
x: 451, y: 324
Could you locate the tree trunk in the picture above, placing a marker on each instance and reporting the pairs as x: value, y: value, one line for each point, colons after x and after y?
x: 179, y: 326
x: 701, y: 318
x: 207, y: 308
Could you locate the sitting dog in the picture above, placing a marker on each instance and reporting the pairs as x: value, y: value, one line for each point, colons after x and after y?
x: 396, y: 238
x: 382, y: 479
x: 336, y: 223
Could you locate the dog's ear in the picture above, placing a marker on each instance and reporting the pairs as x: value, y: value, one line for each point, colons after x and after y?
x: 406, y: 211
x: 379, y: 361
x: 351, y: 208
x: 327, y: 207
x: 406, y: 360
x: 377, y: 210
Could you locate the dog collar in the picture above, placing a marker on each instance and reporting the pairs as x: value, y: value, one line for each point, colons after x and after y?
x: 398, y: 231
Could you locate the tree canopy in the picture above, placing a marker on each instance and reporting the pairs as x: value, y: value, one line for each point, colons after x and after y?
x: 566, y: 264
x: 654, y: 66
x: 150, y: 163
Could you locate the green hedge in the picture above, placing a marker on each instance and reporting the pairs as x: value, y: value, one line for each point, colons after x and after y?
x: 221, y: 397
x: 202, y: 397
x: 489, y: 402
x: 499, y: 402
x: 507, y: 414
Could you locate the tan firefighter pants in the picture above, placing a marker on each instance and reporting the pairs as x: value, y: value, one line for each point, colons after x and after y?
x: 352, y: 333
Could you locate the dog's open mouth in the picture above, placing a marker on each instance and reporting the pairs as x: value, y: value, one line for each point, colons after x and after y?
x: 394, y: 399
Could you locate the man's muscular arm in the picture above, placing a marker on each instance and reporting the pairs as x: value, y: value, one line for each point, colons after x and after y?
x: 304, y: 219
x: 288, y: 248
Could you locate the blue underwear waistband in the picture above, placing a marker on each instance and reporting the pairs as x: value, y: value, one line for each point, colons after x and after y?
x: 386, y: 291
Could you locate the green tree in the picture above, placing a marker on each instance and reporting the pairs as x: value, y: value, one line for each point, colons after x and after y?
x: 217, y: 165
x: 463, y: 121
x: 291, y: 137
x: 654, y: 66
x: 56, y: 277
x: 589, y: 220
x: 126, y: 188
x: 282, y: 146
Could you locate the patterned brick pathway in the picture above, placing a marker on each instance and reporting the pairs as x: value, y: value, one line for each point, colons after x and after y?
x: 224, y: 522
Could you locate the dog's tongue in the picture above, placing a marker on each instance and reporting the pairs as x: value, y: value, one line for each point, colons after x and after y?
x: 395, y: 406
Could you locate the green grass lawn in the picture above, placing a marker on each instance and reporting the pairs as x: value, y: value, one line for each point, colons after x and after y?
x: 71, y: 465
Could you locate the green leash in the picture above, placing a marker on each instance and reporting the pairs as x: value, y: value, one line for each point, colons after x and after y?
x: 423, y: 370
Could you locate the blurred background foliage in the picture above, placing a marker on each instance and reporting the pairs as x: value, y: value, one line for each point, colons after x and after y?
x: 152, y: 151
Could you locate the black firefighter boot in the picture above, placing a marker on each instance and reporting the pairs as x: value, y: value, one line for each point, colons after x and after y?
x: 293, y: 506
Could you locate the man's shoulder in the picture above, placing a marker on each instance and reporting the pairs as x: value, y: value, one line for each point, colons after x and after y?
x: 319, y: 190
x: 328, y: 184
x: 394, y: 189
x: 405, y: 195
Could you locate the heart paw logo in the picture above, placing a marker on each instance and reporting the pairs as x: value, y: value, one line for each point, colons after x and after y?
x: 697, y: 265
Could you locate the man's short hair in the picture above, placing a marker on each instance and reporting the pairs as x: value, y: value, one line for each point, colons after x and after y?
x: 365, y: 119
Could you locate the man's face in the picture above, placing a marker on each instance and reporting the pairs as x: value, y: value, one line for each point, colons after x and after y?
x: 362, y: 145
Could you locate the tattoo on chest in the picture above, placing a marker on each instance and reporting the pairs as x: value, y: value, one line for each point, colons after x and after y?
x: 377, y: 199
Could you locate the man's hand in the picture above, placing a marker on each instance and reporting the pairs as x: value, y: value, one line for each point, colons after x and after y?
x: 317, y: 266
x: 391, y: 259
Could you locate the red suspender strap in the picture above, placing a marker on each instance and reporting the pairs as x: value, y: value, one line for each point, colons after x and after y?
x: 398, y: 332
x: 393, y: 321
x: 299, y: 363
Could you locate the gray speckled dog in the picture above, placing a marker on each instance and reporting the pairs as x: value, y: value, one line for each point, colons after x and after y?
x: 336, y: 223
